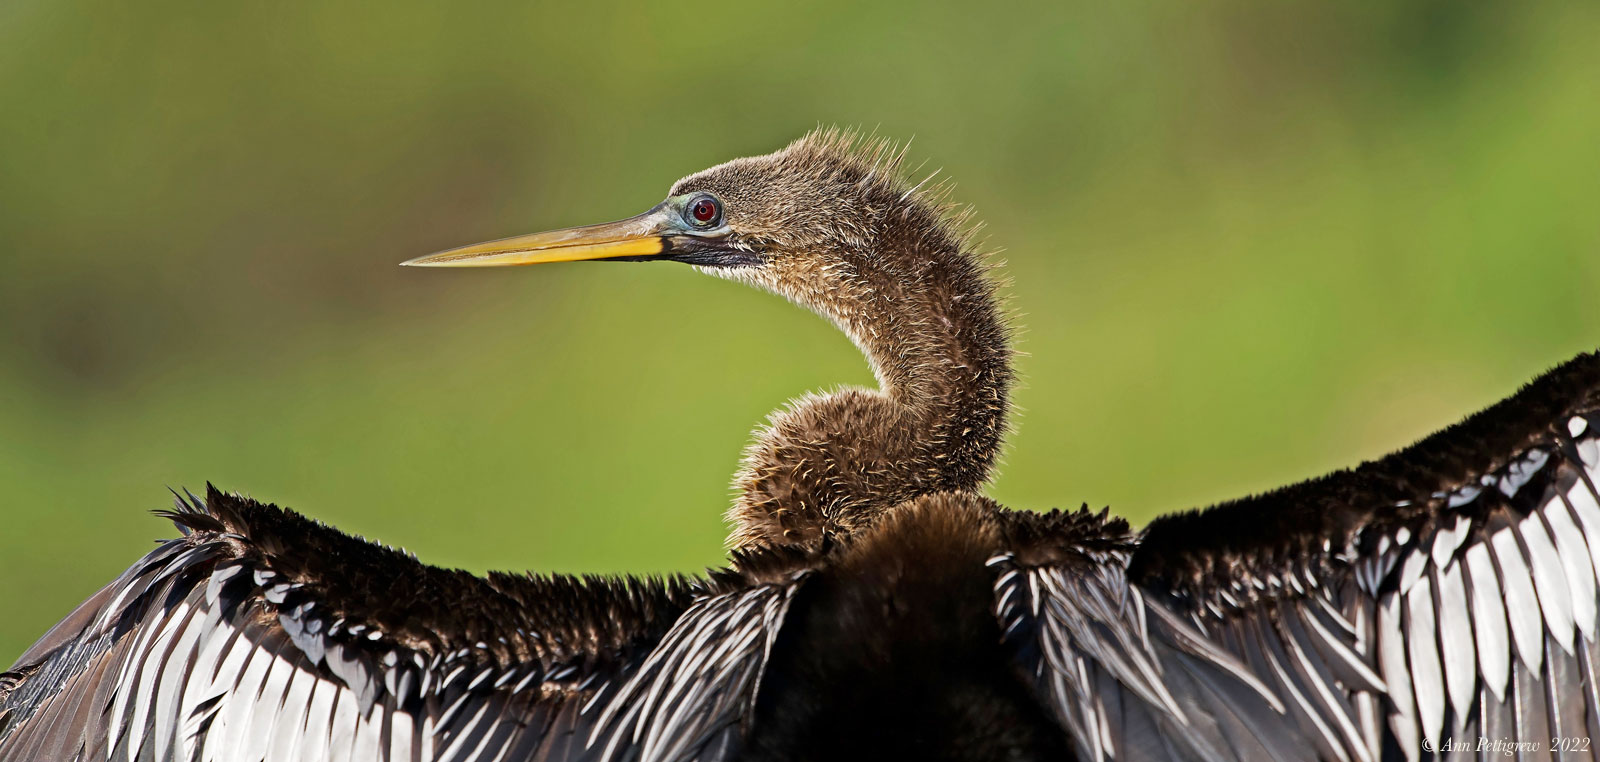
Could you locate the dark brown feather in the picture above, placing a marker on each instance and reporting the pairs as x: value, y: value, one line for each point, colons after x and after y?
x: 552, y: 618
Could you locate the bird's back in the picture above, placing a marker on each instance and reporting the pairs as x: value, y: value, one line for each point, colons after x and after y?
x: 892, y: 651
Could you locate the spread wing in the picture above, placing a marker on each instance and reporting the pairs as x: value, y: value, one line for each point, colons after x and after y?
x: 261, y: 635
x: 1404, y: 609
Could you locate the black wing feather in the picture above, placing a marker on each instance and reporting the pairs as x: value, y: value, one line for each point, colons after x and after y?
x: 262, y: 635
x: 1445, y: 593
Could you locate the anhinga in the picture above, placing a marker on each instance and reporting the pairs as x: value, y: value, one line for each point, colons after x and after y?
x: 1440, y: 601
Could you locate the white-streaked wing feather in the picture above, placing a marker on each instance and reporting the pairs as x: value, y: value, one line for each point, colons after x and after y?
x: 199, y: 653
x: 1448, y: 612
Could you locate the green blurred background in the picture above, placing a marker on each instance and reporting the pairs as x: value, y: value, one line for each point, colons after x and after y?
x: 1249, y: 244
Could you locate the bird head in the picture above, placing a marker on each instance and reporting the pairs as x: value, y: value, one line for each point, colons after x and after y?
x: 804, y: 222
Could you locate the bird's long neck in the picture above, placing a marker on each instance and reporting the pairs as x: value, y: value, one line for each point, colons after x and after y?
x: 926, y: 317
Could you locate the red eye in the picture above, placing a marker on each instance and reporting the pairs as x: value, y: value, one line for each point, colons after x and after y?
x: 703, y: 210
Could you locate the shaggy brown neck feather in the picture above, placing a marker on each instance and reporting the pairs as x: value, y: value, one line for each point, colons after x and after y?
x: 920, y: 307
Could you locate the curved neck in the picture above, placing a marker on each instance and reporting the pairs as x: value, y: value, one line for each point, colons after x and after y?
x: 927, y: 319
x: 934, y: 337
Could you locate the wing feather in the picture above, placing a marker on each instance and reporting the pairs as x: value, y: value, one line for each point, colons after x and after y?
x: 1576, y: 570
x: 1522, y: 604
x: 1402, y: 609
x: 1456, y: 653
x: 247, y: 639
x: 1555, y: 597
x: 1488, y: 620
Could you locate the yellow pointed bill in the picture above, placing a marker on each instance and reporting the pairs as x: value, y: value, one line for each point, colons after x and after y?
x: 641, y: 236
